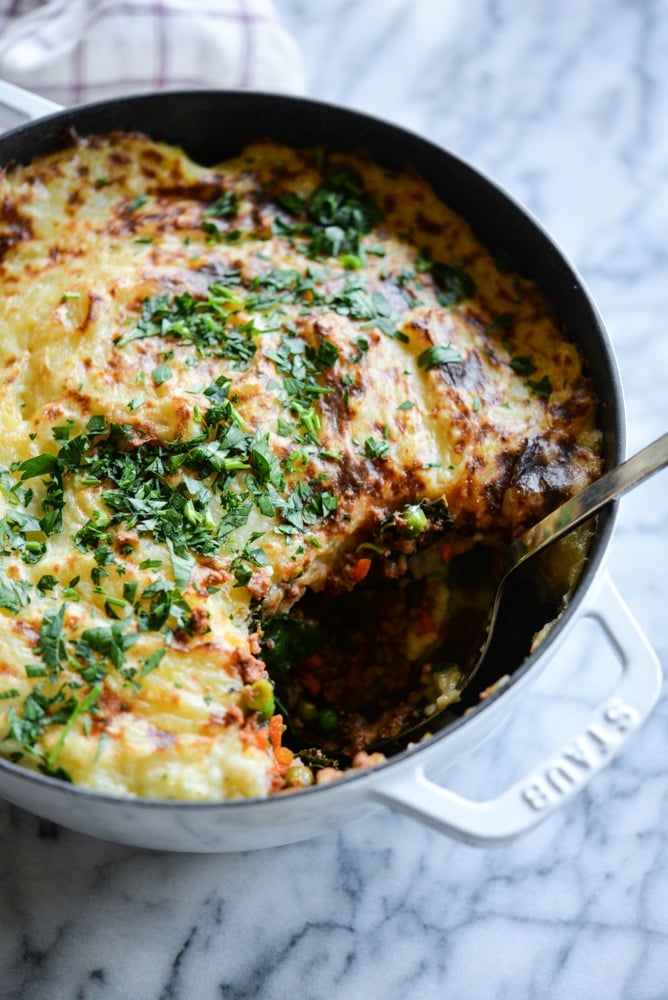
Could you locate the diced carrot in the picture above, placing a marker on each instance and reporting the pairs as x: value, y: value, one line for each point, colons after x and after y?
x: 283, y: 756
x: 261, y: 738
x: 360, y: 569
x: 276, y: 731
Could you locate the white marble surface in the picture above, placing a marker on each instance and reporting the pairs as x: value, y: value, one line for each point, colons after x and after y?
x: 566, y: 104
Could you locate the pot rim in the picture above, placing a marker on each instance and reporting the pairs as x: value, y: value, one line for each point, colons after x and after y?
x: 615, y: 446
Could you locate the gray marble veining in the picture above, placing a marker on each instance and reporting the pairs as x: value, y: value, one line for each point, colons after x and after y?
x: 566, y: 105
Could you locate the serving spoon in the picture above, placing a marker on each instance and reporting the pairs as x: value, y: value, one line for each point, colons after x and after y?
x: 562, y: 520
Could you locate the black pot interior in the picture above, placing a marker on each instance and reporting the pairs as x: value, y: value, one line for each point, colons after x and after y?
x: 211, y: 126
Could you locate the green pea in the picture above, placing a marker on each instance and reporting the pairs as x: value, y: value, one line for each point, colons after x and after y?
x: 307, y: 711
x: 415, y: 520
x: 259, y: 697
x: 299, y: 776
x: 328, y: 720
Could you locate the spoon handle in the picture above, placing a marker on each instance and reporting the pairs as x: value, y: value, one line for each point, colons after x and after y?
x: 577, y: 509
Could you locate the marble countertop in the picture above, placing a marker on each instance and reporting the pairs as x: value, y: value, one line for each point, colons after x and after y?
x: 566, y: 105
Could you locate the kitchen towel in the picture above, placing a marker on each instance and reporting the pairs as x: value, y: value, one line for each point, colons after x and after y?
x: 74, y: 51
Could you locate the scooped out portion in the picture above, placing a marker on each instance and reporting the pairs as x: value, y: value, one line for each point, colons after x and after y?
x: 239, y: 406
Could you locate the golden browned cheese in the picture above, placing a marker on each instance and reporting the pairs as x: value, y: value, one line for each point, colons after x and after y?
x: 215, y: 383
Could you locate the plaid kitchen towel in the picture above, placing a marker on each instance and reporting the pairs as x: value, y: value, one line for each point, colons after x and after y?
x: 73, y: 51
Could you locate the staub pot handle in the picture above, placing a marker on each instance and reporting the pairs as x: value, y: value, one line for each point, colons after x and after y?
x: 553, y: 783
x: 25, y: 102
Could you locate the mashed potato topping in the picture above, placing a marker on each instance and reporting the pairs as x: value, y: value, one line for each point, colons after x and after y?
x: 222, y: 388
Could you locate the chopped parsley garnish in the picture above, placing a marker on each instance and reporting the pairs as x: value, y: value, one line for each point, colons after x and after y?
x: 110, y: 641
x: 15, y: 525
x: 137, y: 203
x: 150, y: 663
x: 437, y: 355
x: 243, y: 566
x: 453, y: 282
x: 207, y: 324
x: 169, y: 492
x: 335, y: 218
x: 541, y: 387
x: 40, y: 710
x: 14, y: 594
x: 523, y: 365
x: 500, y: 322
x: 358, y: 302
x: 376, y: 448
x: 77, y: 710
x: 161, y: 374
x: 301, y: 367
x: 86, y: 660
x: 223, y: 207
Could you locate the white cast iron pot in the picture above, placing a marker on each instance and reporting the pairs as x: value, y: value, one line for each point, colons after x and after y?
x: 401, y: 783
